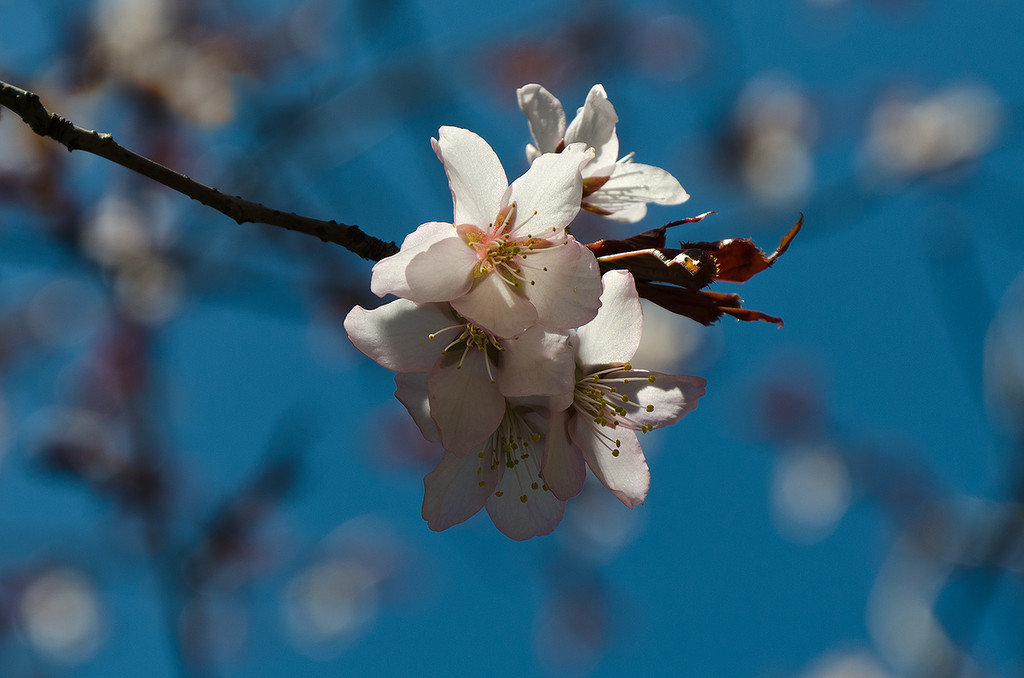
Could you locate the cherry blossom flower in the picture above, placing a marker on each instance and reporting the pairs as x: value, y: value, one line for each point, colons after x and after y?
x: 468, y: 371
x: 614, y: 187
x: 506, y: 262
x: 597, y: 426
x: 503, y: 476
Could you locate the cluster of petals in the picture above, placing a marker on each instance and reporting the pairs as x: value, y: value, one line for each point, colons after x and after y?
x: 617, y: 188
x: 510, y: 349
x: 506, y: 262
x: 466, y: 372
x: 537, y: 458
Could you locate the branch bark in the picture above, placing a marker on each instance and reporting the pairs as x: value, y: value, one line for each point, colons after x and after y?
x: 31, y: 110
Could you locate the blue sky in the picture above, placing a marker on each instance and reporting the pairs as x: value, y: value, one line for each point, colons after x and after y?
x: 886, y: 294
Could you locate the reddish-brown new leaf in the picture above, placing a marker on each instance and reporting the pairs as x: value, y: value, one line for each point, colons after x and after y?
x: 675, y: 278
x: 652, y: 239
x: 739, y: 259
x: 692, y: 269
x: 702, y: 306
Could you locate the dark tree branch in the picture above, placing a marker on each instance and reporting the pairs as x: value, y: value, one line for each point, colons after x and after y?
x: 44, y: 123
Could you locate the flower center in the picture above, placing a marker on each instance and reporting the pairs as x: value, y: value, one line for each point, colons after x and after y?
x: 597, y: 397
x: 514, y: 446
x: 498, y: 250
x: 471, y: 337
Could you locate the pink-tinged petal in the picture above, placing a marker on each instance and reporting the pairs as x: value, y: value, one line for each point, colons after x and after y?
x: 523, y: 506
x: 537, y: 362
x: 497, y: 307
x: 614, y: 335
x: 615, y: 457
x: 396, y: 335
x: 464, y: 400
x: 562, y: 466
x: 475, y: 175
x: 563, y: 283
x: 631, y: 186
x: 457, y: 488
x: 657, y: 399
x: 560, y: 402
x: 442, y: 272
x: 594, y: 125
x: 411, y: 391
x: 548, y: 196
x: 388, y: 275
x: 545, y: 115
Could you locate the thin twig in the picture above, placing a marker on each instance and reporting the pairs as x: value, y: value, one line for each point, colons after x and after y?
x: 31, y: 110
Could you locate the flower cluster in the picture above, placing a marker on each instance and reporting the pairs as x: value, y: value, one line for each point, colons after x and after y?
x: 511, y: 341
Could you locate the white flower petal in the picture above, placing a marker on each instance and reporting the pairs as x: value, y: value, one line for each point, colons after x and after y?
x: 558, y: 403
x: 532, y: 153
x: 537, y: 362
x: 633, y: 184
x: 614, y: 335
x: 495, y: 306
x: 548, y: 196
x: 464, y: 401
x: 562, y: 466
x: 563, y: 283
x: 658, y: 399
x: 626, y: 214
x: 411, y: 391
x: 457, y: 488
x: 388, y: 274
x: 545, y: 115
x: 615, y: 457
x: 523, y: 506
x: 475, y: 175
x: 396, y: 335
x: 594, y: 125
x: 442, y: 272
